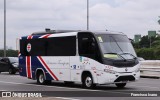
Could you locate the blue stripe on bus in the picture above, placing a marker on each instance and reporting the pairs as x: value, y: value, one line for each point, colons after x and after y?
x: 35, y: 63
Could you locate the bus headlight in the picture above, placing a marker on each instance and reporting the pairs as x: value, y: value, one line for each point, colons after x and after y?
x: 110, y: 71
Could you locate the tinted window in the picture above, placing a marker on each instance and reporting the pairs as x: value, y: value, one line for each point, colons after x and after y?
x: 87, y: 46
x: 62, y: 46
x: 37, y: 47
x: 56, y: 46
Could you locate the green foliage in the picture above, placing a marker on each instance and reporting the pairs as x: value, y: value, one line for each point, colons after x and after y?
x: 1, y: 53
x: 156, y: 43
x: 9, y: 53
x: 157, y: 52
x: 146, y: 53
x: 143, y: 48
x: 145, y: 42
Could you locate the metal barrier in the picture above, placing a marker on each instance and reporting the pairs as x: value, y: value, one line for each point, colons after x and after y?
x: 150, y: 68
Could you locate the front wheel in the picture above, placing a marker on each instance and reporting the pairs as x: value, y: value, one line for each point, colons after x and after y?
x: 41, y: 79
x: 11, y: 71
x: 120, y: 85
x: 88, y: 82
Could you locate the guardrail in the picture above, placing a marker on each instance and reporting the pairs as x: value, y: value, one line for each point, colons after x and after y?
x: 150, y: 68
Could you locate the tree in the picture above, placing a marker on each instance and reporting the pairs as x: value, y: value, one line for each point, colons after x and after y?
x: 144, y: 43
x: 10, y: 53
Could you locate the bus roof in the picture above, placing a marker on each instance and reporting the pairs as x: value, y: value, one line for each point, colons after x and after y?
x: 59, y: 33
x: 48, y: 31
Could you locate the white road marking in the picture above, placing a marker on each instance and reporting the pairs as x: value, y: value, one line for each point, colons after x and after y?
x: 76, y: 88
x: 145, y: 86
x: 63, y: 87
x: 47, y: 86
x: 66, y: 98
x: 148, y: 83
x: 70, y: 88
x: 15, y: 76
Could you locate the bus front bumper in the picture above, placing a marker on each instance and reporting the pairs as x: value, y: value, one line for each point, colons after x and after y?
x: 107, y: 78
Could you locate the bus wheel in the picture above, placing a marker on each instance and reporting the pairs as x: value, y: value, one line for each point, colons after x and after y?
x: 88, y: 81
x: 120, y: 85
x: 41, y: 79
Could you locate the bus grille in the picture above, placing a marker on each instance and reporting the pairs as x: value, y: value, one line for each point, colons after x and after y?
x: 125, y: 78
x: 124, y: 64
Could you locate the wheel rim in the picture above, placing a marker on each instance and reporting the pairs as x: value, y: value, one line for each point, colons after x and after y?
x: 88, y: 81
x: 41, y: 78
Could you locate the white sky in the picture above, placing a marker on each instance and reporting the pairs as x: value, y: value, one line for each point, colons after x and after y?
x: 127, y: 16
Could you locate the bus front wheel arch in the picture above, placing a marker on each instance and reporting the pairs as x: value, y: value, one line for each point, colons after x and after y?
x: 87, y: 80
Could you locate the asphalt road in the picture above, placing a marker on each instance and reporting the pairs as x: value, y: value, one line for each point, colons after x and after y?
x: 59, y: 91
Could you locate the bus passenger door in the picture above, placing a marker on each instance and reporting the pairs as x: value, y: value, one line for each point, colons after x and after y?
x: 76, y: 68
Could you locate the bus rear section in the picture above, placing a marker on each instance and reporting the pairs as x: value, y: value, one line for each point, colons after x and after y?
x: 86, y: 57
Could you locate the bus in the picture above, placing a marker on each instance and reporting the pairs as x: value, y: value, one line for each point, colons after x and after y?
x: 88, y: 57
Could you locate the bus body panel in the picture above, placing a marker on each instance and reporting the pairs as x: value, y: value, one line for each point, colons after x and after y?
x: 34, y: 66
x: 71, y: 68
x: 76, y: 68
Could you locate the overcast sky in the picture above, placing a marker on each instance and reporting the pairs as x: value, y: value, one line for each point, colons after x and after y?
x: 127, y: 16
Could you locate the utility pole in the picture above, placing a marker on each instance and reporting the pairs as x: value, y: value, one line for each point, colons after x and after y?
x: 4, y: 28
x: 87, y: 14
x: 159, y: 20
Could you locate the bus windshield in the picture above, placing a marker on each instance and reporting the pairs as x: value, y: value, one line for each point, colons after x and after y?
x: 116, y: 46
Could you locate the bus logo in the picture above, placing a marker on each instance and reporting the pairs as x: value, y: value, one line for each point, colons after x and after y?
x: 28, y: 47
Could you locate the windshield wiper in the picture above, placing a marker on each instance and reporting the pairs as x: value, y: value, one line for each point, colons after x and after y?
x: 134, y: 57
x: 116, y: 43
x: 118, y: 55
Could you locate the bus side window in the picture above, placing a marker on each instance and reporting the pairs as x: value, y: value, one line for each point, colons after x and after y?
x: 23, y: 45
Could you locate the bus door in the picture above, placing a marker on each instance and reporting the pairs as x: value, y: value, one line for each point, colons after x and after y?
x: 88, y: 47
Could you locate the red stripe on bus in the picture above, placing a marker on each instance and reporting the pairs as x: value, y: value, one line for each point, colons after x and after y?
x: 48, y: 68
x: 46, y: 36
x: 29, y: 66
x: 29, y: 37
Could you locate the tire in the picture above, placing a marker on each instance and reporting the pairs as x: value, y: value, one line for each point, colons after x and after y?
x: 14, y: 72
x: 87, y: 81
x: 41, y: 79
x: 11, y: 71
x: 120, y: 85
